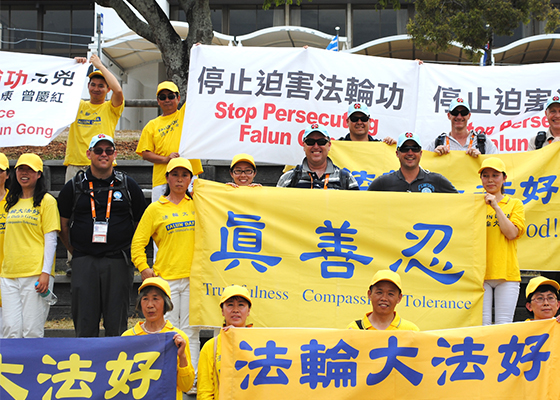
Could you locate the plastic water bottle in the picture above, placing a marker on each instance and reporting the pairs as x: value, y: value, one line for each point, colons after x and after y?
x: 48, y: 296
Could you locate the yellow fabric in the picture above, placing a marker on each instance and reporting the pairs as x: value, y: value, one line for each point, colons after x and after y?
x: 92, y: 119
x: 208, y: 384
x: 2, y: 232
x: 185, y: 375
x: 482, y: 363
x: 398, y: 324
x: 162, y: 136
x: 501, y: 253
x: 24, y: 238
x: 172, y: 227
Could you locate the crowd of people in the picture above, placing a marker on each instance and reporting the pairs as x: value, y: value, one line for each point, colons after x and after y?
x: 102, y: 219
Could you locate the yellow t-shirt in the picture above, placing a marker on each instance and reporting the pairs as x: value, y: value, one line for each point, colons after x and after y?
x: 2, y: 231
x: 24, y: 240
x: 92, y: 119
x: 185, y: 375
x: 209, y: 370
x: 501, y: 253
x: 172, y: 228
x: 162, y: 136
x: 398, y: 324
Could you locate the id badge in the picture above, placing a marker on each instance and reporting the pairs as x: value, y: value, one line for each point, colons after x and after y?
x: 100, y: 230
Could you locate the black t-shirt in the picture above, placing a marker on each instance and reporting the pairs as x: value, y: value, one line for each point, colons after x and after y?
x: 121, y: 224
x: 425, y: 182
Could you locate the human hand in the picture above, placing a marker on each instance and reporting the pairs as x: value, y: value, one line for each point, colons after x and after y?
x: 473, y: 152
x: 490, y: 199
x: 232, y: 184
x: 389, y: 140
x: 441, y: 150
x: 80, y: 60
x: 147, y: 273
x: 96, y: 61
x: 43, y: 285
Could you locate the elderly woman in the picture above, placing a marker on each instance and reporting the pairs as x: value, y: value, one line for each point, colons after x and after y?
x: 236, y: 306
x: 243, y: 170
x: 154, y: 299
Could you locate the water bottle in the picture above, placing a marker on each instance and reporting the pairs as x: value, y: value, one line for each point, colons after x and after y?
x: 48, y: 296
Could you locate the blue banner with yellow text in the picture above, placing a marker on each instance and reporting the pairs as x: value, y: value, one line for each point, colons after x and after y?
x: 133, y: 367
x: 513, y: 361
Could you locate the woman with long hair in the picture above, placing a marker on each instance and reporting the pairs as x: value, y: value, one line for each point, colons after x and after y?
x: 32, y: 223
x: 4, y: 171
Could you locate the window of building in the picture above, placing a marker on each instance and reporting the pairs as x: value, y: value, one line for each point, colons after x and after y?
x: 371, y: 24
x: 324, y: 19
x: 247, y: 20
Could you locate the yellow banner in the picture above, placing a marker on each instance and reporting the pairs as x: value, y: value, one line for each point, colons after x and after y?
x: 511, y: 361
x: 307, y: 256
x: 532, y: 178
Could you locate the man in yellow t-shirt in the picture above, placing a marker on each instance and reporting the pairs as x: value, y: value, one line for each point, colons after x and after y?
x: 384, y: 293
x: 161, y: 137
x: 94, y: 116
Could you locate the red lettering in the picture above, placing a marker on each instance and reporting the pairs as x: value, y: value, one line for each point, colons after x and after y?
x: 7, y: 113
x: 222, y: 111
x: 311, y: 117
x: 281, y: 115
x: 268, y: 109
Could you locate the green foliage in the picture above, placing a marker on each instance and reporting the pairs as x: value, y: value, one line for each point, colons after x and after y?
x: 472, y: 22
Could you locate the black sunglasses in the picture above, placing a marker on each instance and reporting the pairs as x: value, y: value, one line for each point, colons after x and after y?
x: 464, y: 112
x: 355, y: 118
x: 310, y: 142
x: 98, y: 151
x: 415, y: 149
x: 164, y: 97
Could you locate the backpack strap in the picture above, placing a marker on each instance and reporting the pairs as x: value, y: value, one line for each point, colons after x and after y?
x: 440, y: 140
x: 540, y: 139
x: 344, y: 178
x: 296, y: 176
x: 481, y: 142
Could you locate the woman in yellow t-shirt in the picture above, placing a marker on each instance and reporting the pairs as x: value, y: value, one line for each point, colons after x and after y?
x: 505, y: 223
x: 32, y: 223
x: 4, y: 169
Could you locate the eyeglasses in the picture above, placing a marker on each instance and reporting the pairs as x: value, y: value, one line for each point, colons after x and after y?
x: 541, y: 299
x: 415, y: 149
x: 464, y: 112
x: 99, y: 150
x: 164, y: 97
x: 247, y: 172
x: 355, y: 118
x: 310, y: 142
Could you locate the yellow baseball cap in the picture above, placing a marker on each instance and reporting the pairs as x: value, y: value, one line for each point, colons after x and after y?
x: 33, y: 161
x: 96, y: 72
x: 386, y: 275
x: 494, y: 163
x: 167, y: 85
x: 235, y: 290
x: 4, y: 163
x: 243, y: 157
x: 179, y: 162
x: 538, y: 281
x: 157, y: 282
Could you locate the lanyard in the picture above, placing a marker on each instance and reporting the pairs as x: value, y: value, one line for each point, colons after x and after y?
x: 326, y: 181
x: 470, y: 140
x: 109, y: 201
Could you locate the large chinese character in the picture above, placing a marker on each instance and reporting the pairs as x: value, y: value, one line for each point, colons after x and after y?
x: 17, y: 392
x: 211, y: 79
x: 121, y: 373
x: 74, y: 372
x: 531, y: 188
x: 272, y: 86
x: 65, y: 76
x: 315, y: 368
x: 444, y: 276
x: 515, y: 350
x: 476, y: 102
x: 467, y: 348
x: 331, y: 87
x: 392, y: 353
x: 444, y: 96
x: 363, y: 178
x: 19, y: 79
x: 299, y: 85
x: 242, y: 81
x: 270, y: 351
x: 395, y: 92
x: 334, y: 238
x: 357, y: 91
x: 247, y: 242
x: 511, y: 105
x: 536, y: 99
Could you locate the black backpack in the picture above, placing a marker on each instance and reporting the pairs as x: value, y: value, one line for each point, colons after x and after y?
x: 296, y: 176
x: 480, y: 141
x: 540, y: 139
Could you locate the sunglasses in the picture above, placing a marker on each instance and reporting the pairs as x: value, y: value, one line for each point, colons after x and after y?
x: 464, y: 112
x: 164, y: 97
x: 320, y: 142
x: 415, y: 149
x: 98, y: 151
x: 355, y: 118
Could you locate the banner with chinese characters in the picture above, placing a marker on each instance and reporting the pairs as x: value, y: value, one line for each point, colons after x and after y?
x: 308, y: 256
x: 513, y: 361
x: 39, y: 97
x: 531, y: 177
x: 132, y: 367
x: 260, y: 100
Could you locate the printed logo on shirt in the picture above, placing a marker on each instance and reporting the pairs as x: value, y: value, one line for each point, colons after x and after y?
x: 117, y: 196
x: 95, y: 121
x: 426, y: 188
x: 178, y: 225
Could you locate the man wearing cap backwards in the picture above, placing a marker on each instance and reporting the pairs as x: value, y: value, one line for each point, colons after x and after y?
x: 411, y: 177
x: 542, y: 298
x: 236, y: 307
x: 94, y: 116
x: 359, y: 122
x: 384, y: 293
x: 317, y: 171
x: 552, y: 113
x: 460, y: 138
x: 98, y: 216
x: 161, y: 137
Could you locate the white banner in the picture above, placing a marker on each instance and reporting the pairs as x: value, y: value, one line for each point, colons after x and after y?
x: 260, y: 100
x: 39, y: 97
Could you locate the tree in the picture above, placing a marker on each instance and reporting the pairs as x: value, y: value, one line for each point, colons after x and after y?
x: 473, y: 23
